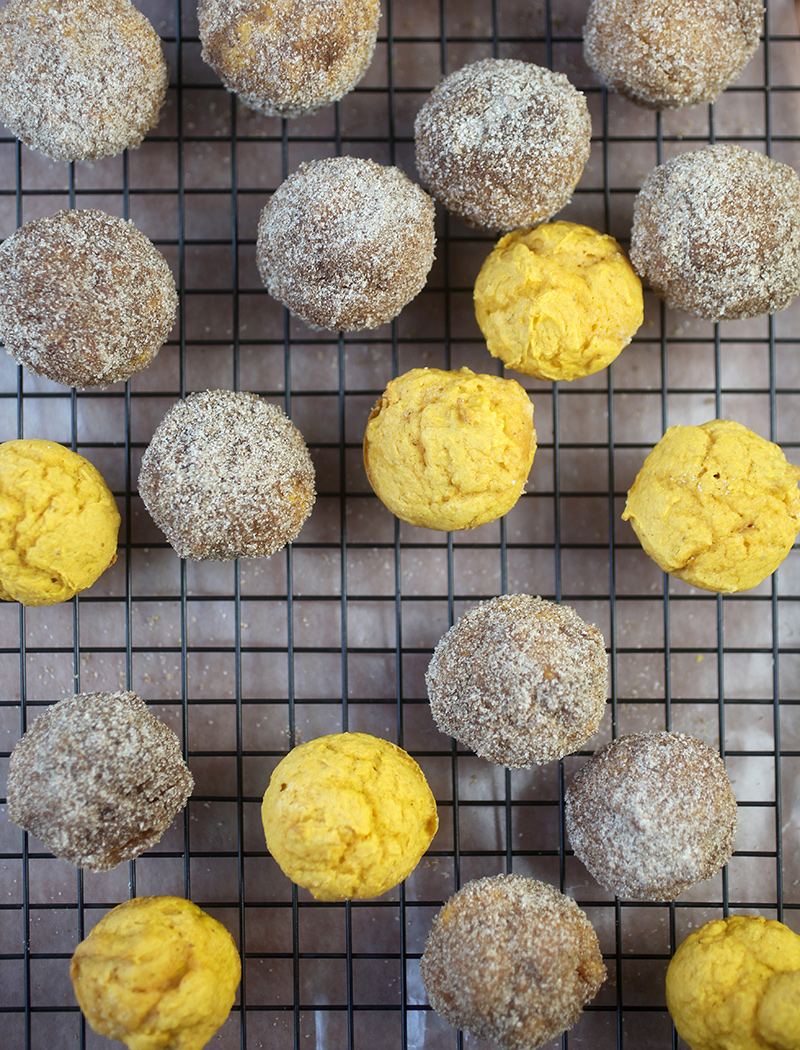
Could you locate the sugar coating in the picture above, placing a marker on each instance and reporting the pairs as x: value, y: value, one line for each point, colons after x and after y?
x: 85, y: 298
x: 520, y: 680
x: 502, y: 143
x: 739, y: 976
x: 668, y: 55
x: 79, y: 79
x: 346, y: 243
x: 450, y: 450
x: 716, y: 505
x: 157, y: 973
x: 558, y: 302
x: 512, y: 960
x: 716, y: 232
x: 98, y: 779
x: 348, y: 816
x: 289, y: 58
x: 58, y: 523
x: 651, y: 814
x: 227, y: 475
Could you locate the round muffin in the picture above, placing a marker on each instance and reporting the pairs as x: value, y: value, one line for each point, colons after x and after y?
x: 227, y: 475
x: 98, y: 779
x: 716, y: 505
x: 740, y: 976
x: 291, y: 57
x: 85, y: 298
x: 79, y: 79
x: 559, y: 302
x: 58, y: 523
x: 348, y: 816
x: 346, y: 243
x: 450, y: 450
x: 512, y: 960
x: 651, y: 814
x: 503, y: 143
x: 716, y: 232
x: 156, y: 972
x: 519, y: 680
x: 666, y: 58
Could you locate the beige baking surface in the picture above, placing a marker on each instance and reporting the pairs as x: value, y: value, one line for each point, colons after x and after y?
x: 344, y: 623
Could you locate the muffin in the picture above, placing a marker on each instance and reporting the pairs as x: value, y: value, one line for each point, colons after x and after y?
x: 80, y: 79
x: 58, y: 523
x: 502, y: 143
x: 716, y: 506
x: 739, y: 976
x: 97, y: 779
x: 291, y: 57
x: 519, y: 680
x: 85, y: 298
x: 512, y: 960
x: 557, y: 302
x: 156, y: 972
x: 348, y: 816
x: 227, y: 475
x: 716, y: 232
x: 665, y: 62
x: 651, y: 814
x: 346, y: 243
x: 450, y: 450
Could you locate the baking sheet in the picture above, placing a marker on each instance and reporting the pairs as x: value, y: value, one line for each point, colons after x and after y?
x: 243, y: 660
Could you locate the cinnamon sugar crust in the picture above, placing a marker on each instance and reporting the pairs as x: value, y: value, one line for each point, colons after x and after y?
x: 346, y: 243
x: 716, y: 232
x: 651, y: 814
x: 98, y: 779
x: 227, y: 475
x: 666, y: 55
x: 289, y: 58
x: 502, y: 143
x: 520, y: 680
x: 513, y: 960
x: 85, y: 298
x: 79, y: 79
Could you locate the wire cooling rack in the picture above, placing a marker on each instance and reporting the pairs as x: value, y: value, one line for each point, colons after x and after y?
x: 245, y: 659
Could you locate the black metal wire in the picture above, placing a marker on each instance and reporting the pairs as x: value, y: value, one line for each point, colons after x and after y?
x: 326, y: 986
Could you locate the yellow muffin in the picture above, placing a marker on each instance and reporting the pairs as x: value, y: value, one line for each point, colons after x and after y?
x: 557, y: 302
x: 348, y: 816
x: 716, y: 505
x: 734, y: 984
x: 58, y: 523
x: 157, y: 973
x: 450, y: 450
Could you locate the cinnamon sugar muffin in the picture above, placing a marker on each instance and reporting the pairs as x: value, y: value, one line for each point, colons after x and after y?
x: 520, y: 680
x: 85, y: 298
x: 290, y: 57
x: 346, y: 243
x: 79, y: 79
x: 716, y: 232
x: 227, y: 475
x: 651, y: 814
x: 502, y: 143
x: 512, y: 960
x: 668, y: 56
x: 98, y: 779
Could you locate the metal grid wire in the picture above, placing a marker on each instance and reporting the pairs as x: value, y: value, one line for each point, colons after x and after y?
x: 245, y: 659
